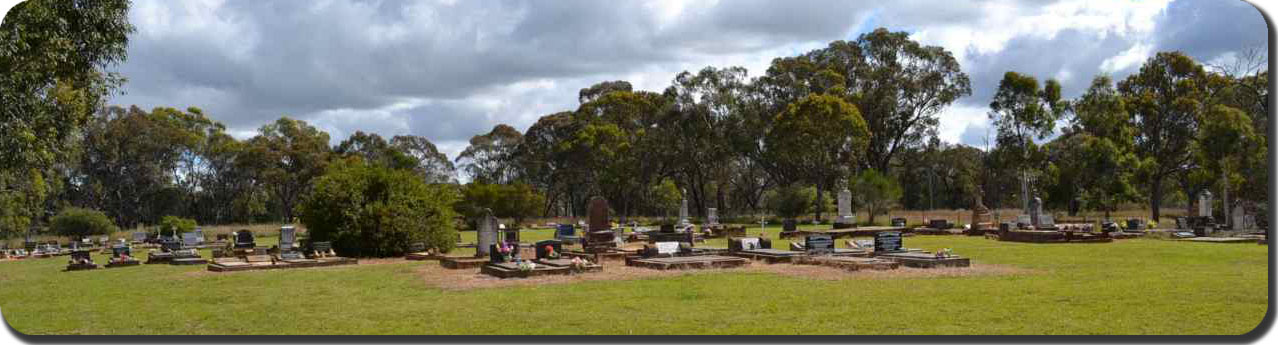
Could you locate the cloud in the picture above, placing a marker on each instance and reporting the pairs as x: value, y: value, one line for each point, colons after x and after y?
x: 448, y: 70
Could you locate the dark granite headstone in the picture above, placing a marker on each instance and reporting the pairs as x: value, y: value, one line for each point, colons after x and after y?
x: 244, y: 239
x: 1134, y: 224
x: 887, y: 242
x: 819, y: 244
x: 565, y: 230
x: 544, y: 248
x: 598, y: 215
x: 789, y: 225
x: 939, y: 224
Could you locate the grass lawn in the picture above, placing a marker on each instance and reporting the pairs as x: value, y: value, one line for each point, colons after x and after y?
x: 1125, y: 287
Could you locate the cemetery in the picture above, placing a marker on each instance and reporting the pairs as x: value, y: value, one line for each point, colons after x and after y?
x: 840, y: 178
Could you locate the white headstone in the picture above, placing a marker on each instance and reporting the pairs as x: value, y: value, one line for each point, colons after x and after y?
x: 683, y: 211
x: 667, y: 248
x: 845, y: 208
x: 487, y: 234
x: 750, y: 243
x: 712, y: 216
x: 1036, y: 211
x: 1204, y: 204
x: 1240, y: 218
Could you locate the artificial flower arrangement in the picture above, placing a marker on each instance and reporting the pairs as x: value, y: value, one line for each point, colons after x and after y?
x: 505, y: 251
x: 944, y: 253
x: 525, y: 265
x: 551, y: 253
x: 579, y: 264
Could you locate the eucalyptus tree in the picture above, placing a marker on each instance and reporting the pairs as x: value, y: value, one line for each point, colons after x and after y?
x: 1164, y: 100
x: 1024, y: 112
x: 490, y: 157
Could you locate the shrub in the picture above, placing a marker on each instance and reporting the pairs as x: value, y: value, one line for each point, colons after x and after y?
x: 78, y: 222
x: 791, y: 201
x: 377, y: 211
x: 174, y: 225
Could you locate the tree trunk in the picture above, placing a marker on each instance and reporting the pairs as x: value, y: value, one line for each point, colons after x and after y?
x: 820, y: 201
x: 1224, y: 199
x: 1156, y: 197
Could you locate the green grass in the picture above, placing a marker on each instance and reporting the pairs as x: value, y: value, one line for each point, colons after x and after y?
x: 1125, y: 287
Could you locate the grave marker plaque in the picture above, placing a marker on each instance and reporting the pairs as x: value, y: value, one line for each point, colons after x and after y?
x: 667, y: 248
x: 887, y: 242
x: 819, y: 244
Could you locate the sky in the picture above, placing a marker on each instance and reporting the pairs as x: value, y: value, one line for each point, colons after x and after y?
x: 448, y: 70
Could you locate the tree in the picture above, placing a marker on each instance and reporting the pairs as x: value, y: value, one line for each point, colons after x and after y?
x: 815, y: 141
x: 791, y: 201
x: 490, y: 157
x: 79, y: 222
x: 369, y: 210
x: 515, y: 201
x: 876, y: 191
x: 1164, y: 99
x: 1226, y: 145
x: 898, y: 85
x: 54, y: 60
x: 696, y: 132
x: 547, y: 163
x: 617, y: 147
x: 286, y: 156
x: 1023, y: 113
x: 175, y: 226
x: 1099, y: 149
x: 433, y: 165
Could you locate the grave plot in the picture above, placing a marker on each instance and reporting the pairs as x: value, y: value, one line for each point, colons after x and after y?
x: 889, y: 246
x: 755, y: 248
x: 926, y: 260
x: 121, y: 256
x: 487, y: 238
x: 849, y: 263
x: 80, y: 260
x: 676, y: 255
x: 547, y: 262
x: 418, y: 252
x: 600, y: 240
x: 247, y: 257
x: 937, y: 227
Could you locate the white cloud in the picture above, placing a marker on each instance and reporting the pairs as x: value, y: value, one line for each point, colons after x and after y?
x: 1127, y: 59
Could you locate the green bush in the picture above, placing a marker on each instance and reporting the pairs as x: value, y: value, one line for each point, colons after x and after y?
x: 78, y: 222
x: 372, y: 211
x: 791, y: 201
x: 174, y: 225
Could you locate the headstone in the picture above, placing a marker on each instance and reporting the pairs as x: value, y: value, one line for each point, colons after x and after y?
x: 1240, y: 218
x: 487, y: 234
x: 789, y: 225
x: 898, y: 222
x: 288, y: 236
x: 748, y: 243
x: 139, y: 236
x: 1204, y: 204
x: 712, y: 216
x: 1046, y: 220
x: 1134, y: 224
x: 244, y: 239
x: 683, y: 212
x: 819, y: 244
x: 544, y: 248
x: 199, y: 236
x: 887, y: 242
x: 845, y: 208
x: 417, y: 247
x: 1024, y: 220
x: 667, y: 248
x: 939, y: 224
x: 563, y: 231
x: 1035, y: 211
x: 189, y: 240
x: 598, y: 215
x: 981, y: 216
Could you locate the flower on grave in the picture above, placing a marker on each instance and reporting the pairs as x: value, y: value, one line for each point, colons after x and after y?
x: 551, y: 253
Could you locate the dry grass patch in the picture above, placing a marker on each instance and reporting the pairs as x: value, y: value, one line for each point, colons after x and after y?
x: 468, y: 279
